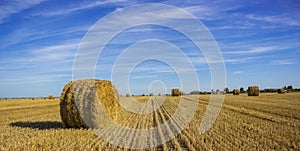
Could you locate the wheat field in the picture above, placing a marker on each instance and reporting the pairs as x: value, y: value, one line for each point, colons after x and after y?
x: 270, y: 121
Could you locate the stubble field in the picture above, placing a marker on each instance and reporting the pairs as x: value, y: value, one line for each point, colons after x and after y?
x: 266, y: 122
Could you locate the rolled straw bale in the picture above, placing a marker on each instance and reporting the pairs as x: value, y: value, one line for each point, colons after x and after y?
x: 85, y: 92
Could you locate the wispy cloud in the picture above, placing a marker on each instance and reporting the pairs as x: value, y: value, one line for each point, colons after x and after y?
x: 254, y: 50
x: 237, y: 72
x: 31, y: 33
x: 42, y: 64
x: 16, y: 6
x: 282, y: 62
x: 82, y: 6
x: 283, y: 19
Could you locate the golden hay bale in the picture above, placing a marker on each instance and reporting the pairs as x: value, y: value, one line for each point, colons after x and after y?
x: 253, y: 91
x: 236, y: 92
x: 127, y: 95
x: 281, y: 91
x: 175, y: 92
x: 51, y: 97
x: 85, y: 91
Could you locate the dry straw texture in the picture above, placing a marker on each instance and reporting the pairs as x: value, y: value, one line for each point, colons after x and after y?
x: 253, y: 91
x: 86, y: 93
x: 236, y: 92
x: 175, y: 92
x: 281, y: 91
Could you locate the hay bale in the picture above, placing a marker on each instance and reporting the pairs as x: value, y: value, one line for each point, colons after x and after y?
x: 127, y: 95
x: 175, y: 92
x: 151, y: 94
x: 253, y: 91
x: 85, y: 91
x: 281, y: 91
x: 51, y: 97
x: 236, y: 92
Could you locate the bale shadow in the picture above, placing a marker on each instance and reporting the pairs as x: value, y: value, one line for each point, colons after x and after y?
x: 38, y: 125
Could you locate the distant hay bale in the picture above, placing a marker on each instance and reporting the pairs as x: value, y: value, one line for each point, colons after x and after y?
x: 181, y: 93
x: 127, y: 95
x: 175, y: 92
x: 236, y: 92
x: 281, y: 91
x: 51, y: 97
x: 143, y: 94
x: 151, y: 94
x: 159, y: 94
x: 167, y: 94
x: 86, y: 92
x: 253, y: 91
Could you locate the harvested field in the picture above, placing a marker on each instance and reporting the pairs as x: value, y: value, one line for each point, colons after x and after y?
x: 266, y: 122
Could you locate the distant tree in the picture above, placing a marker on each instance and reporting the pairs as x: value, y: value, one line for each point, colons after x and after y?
x: 195, y: 92
x: 212, y: 91
x: 290, y: 87
x: 270, y: 90
x: 242, y: 90
x: 226, y: 90
x: 284, y: 87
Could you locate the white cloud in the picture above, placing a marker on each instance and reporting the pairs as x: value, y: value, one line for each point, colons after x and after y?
x: 237, y: 72
x: 254, y: 50
x: 82, y: 6
x: 283, y: 19
x: 282, y: 62
x: 16, y: 6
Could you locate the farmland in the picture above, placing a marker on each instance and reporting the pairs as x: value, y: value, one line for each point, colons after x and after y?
x: 266, y: 122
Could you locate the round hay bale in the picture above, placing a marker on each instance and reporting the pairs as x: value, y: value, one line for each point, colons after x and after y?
x: 281, y: 91
x: 253, y: 91
x: 151, y: 94
x: 127, y: 95
x: 236, y: 92
x: 51, y: 97
x: 175, y: 92
x: 86, y: 91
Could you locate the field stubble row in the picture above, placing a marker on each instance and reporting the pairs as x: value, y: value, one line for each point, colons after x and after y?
x: 269, y: 121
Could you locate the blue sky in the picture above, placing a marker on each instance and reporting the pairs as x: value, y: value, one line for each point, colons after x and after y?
x: 259, y: 41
